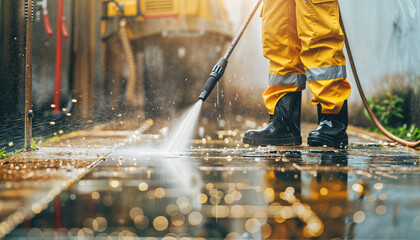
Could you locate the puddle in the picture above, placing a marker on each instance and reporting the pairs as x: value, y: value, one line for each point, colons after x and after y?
x: 227, y: 191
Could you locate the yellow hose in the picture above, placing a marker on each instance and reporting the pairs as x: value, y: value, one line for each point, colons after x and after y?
x: 128, y: 51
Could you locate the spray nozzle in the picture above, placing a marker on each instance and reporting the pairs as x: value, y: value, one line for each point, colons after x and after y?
x: 215, y: 76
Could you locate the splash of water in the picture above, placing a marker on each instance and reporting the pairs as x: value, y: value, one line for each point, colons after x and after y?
x: 181, y: 137
x: 179, y: 141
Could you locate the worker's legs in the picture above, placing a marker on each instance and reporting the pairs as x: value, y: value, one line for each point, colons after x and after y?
x: 322, y: 55
x: 281, y: 46
x: 282, y: 98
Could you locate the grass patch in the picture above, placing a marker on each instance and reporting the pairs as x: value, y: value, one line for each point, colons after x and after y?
x: 4, y: 154
x: 51, y: 139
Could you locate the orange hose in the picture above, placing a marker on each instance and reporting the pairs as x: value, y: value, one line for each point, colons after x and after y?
x: 362, y: 95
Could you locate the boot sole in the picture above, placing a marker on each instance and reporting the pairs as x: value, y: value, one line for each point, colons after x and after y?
x: 320, y: 141
x: 295, y: 141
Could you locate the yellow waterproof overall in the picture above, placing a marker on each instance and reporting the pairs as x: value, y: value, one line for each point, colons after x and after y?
x: 304, y: 42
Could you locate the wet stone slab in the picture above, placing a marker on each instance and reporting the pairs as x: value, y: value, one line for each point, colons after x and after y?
x: 30, y: 181
x: 221, y: 189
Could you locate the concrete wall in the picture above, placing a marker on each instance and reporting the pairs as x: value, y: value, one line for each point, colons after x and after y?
x: 12, y: 56
x: 384, y: 37
x: 12, y: 71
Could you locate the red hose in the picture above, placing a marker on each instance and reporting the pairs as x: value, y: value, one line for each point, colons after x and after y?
x: 58, y: 61
x: 47, y: 22
x: 57, y: 213
x: 64, y: 29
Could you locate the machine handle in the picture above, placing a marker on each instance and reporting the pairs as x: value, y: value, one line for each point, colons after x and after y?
x: 208, y: 87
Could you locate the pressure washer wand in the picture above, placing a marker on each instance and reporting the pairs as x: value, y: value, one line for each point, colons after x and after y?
x: 219, y: 68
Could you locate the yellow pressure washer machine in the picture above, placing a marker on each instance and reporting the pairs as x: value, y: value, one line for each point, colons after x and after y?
x: 173, y: 44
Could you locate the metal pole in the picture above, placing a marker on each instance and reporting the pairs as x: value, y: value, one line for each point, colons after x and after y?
x: 29, y: 17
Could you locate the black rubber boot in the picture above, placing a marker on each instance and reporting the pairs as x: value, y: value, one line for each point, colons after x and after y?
x: 283, y: 129
x: 331, y: 129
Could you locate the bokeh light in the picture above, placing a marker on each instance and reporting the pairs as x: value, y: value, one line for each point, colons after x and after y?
x: 95, y: 195
x: 357, y: 187
x: 323, y: 191
x: 381, y: 210
x: 252, y: 225
x: 378, y: 186
x: 195, y: 218
x: 160, y: 223
x: 359, y: 217
x: 99, y: 224
x: 237, y: 211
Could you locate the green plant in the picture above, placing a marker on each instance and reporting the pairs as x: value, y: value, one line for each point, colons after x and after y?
x: 4, y: 154
x: 51, y: 139
x: 390, y: 112
x: 409, y: 132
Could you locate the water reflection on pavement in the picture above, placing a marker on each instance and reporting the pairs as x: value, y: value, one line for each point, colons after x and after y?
x: 237, y: 192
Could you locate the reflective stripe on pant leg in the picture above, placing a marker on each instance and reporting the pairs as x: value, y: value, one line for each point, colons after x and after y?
x: 296, y: 80
x: 326, y: 73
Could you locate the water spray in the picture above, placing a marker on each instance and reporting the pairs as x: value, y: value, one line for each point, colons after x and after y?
x: 219, y: 68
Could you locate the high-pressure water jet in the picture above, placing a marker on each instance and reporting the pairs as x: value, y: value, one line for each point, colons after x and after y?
x: 183, y: 132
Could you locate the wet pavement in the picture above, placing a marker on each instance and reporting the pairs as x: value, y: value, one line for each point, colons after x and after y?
x: 222, y: 188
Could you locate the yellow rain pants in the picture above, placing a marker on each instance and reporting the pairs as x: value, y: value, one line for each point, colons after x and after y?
x: 304, y: 42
